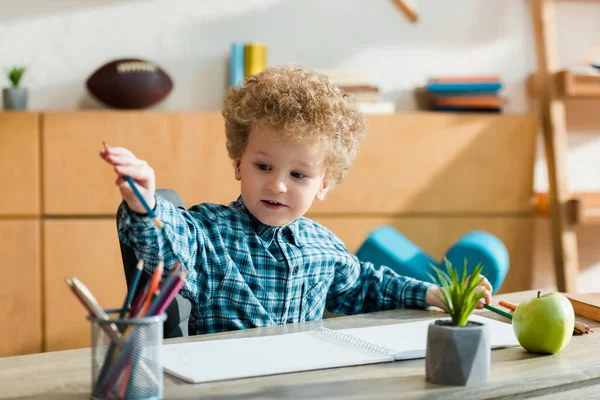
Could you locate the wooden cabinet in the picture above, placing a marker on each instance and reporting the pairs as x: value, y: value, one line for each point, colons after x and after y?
x: 89, y: 250
x: 20, y: 287
x: 433, y: 176
x: 410, y: 163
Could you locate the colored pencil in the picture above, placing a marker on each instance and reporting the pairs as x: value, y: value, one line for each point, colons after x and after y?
x: 161, y: 297
x: 136, y: 280
x: 507, y: 304
x: 137, y: 193
x: 128, y: 353
x: 581, y: 327
x: 161, y: 302
x: 130, y: 370
x: 156, y: 276
x: 165, y: 289
x: 91, y: 305
x: 150, y: 211
x: 111, y: 349
x: 172, y: 292
x: 497, y: 311
x: 137, y: 303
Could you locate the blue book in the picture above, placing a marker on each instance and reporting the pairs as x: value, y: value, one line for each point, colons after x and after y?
x: 442, y: 95
x: 464, y: 87
x: 236, y: 64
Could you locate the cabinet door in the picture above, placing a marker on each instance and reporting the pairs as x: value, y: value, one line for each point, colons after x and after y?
x: 20, y: 288
x: 19, y: 163
x: 89, y: 250
x: 186, y: 150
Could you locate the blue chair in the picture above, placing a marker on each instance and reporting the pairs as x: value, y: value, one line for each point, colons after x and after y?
x: 386, y: 246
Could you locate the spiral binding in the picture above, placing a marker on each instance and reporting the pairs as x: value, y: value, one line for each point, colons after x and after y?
x: 353, y: 340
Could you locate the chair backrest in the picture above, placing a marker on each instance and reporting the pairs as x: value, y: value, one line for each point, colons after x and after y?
x: 178, y: 313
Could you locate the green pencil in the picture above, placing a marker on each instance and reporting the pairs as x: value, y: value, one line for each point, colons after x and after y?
x: 498, y: 311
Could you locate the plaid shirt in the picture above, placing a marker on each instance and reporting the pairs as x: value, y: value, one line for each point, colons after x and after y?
x: 245, y: 274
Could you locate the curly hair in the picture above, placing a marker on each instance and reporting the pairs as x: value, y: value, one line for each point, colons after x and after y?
x: 297, y: 104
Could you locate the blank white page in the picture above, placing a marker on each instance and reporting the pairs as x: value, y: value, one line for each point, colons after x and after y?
x: 409, y: 340
x: 215, y: 360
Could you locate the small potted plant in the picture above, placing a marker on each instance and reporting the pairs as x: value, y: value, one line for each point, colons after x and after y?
x: 458, y: 350
x: 15, y: 97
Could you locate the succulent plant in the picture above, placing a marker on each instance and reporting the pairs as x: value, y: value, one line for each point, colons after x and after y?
x: 15, y: 74
x: 457, y: 291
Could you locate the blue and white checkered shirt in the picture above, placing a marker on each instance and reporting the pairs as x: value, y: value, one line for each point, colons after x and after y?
x: 245, y: 274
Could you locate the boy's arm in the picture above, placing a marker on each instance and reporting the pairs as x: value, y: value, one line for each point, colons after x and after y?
x: 181, y: 239
x: 360, y: 287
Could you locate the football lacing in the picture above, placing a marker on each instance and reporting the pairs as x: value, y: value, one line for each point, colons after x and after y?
x: 135, y: 66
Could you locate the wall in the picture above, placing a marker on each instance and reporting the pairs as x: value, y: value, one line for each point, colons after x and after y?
x: 62, y: 42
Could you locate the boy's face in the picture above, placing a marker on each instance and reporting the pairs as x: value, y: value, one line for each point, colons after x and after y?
x: 280, y: 179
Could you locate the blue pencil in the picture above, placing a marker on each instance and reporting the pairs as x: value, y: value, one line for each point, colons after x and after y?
x: 150, y: 212
x: 132, y: 289
x: 131, y: 183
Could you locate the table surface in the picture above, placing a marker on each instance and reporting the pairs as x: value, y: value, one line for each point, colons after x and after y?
x: 515, y: 373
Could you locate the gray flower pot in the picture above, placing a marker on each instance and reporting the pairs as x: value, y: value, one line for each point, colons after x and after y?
x: 14, y: 98
x: 457, y: 355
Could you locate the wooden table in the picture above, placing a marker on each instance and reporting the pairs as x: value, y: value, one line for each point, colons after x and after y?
x: 573, y: 372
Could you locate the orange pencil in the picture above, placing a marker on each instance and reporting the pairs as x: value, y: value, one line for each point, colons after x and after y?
x: 506, y: 304
x: 152, y: 288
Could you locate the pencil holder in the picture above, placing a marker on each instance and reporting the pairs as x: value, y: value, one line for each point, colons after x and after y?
x: 126, y: 357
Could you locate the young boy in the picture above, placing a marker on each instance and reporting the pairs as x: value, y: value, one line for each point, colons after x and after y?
x: 292, y: 136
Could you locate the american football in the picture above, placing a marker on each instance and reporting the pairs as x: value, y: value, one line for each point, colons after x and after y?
x: 129, y: 83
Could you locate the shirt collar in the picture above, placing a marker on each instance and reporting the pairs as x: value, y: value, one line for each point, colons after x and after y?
x: 267, y: 232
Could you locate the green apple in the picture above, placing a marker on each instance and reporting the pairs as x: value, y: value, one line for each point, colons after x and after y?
x: 544, y: 324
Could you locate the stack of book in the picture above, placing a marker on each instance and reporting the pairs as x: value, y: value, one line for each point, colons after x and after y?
x: 466, y: 94
x: 246, y: 59
x: 360, y: 86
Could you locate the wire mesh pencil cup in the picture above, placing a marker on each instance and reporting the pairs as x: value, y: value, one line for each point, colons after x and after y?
x: 126, y: 357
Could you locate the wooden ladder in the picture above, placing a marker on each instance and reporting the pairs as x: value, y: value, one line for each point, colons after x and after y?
x: 551, y: 109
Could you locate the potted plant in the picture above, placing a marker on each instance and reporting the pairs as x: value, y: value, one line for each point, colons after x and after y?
x: 458, y: 350
x: 15, y: 97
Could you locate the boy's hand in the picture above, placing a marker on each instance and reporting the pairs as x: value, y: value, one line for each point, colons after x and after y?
x: 432, y: 298
x: 125, y: 163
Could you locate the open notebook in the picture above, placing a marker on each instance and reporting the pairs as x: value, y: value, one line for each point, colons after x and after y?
x: 215, y: 360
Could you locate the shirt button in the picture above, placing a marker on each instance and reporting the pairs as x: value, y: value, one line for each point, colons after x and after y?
x: 290, y: 321
x: 295, y: 271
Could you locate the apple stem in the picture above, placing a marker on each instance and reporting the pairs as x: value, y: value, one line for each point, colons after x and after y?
x: 539, y: 291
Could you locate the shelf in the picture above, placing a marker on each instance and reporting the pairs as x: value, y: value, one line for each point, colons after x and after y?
x: 581, y: 82
x: 582, y: 208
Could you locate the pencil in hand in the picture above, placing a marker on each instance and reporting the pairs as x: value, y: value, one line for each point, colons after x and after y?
x: 137, y: 193
x: 150, y: 211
